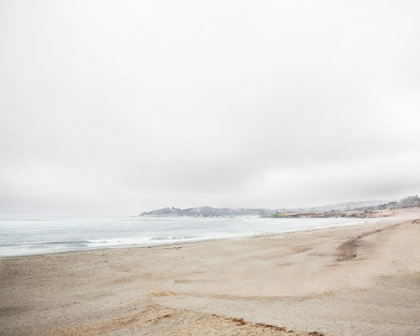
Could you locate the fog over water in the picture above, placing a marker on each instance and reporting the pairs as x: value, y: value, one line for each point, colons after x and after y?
x: 115, y: 107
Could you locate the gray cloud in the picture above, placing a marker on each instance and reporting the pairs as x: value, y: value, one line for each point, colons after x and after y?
x: 113, y: 107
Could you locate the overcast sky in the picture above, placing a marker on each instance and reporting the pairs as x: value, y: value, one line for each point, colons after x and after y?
x: 115, y: 107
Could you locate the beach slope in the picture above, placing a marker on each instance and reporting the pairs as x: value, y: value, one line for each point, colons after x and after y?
x: 359, y: 280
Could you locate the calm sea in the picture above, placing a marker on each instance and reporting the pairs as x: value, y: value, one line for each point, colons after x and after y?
x: 26, y: 235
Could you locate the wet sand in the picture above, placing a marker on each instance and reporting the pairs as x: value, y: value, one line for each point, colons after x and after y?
x: 359, y: 280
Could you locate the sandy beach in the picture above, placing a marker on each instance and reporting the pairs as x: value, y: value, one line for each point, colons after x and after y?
x: 358, y: 280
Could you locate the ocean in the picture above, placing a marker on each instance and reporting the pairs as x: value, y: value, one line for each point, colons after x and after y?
x: 32, y: 235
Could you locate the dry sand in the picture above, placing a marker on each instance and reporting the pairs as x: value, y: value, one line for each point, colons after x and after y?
x: 360, y: 280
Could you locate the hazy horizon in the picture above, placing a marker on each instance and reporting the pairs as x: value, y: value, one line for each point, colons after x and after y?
x: 122, y: 107
x: 46, y: 214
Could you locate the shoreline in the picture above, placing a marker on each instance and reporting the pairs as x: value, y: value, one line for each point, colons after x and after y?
x: 374, y: 219
x: 341, y: 280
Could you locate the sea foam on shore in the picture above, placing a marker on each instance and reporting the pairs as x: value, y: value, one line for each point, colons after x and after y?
x: 22, y: 235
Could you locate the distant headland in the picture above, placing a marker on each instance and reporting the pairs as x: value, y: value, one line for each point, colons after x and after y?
x: 350, y: 209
